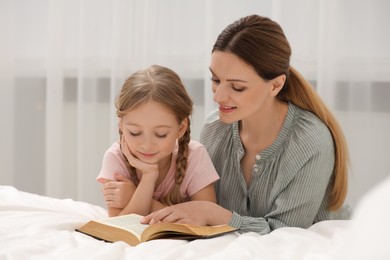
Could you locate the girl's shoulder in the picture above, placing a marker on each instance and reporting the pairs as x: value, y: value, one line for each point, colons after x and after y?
x: 114, y: 153
x: 196, y: 148
x: 195, y: 145
x: 114, y: 150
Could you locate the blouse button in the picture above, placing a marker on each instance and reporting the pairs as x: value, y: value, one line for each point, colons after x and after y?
x: 258, y: 157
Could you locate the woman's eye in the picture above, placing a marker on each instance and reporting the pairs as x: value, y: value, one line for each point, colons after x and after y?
x: 238, y: 89
x: 214, y: 80
x: 134, y: 134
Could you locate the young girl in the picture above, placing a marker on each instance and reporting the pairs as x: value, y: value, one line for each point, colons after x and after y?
x: 155, y: 164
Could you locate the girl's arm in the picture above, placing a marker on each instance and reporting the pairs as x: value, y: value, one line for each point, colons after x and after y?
x: 207, y: 193
x: 141, y: 201
x: 202, y: 209
x: 118, y: 194
x: 117, y: 188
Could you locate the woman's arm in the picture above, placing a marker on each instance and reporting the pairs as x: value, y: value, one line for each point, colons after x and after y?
x: 298, y: 197
x: 194, y: 212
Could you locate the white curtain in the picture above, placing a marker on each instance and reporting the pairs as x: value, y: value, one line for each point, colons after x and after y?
x: 342, y: 46
x: 62, y: 63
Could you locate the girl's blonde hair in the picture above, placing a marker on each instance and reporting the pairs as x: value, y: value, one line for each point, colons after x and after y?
x: 261, y: 43
x: 164, y: 86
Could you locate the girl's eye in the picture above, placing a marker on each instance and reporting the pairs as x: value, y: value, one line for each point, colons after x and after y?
x: 161, y: 136
x: 134, y: 134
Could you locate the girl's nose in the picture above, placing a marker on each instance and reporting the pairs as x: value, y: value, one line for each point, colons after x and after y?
x: 147, y: 143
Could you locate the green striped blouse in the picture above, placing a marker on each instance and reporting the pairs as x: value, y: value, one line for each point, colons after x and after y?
x: 290, y: 179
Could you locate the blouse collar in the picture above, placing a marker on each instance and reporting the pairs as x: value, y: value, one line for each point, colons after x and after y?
x: 276, y: 145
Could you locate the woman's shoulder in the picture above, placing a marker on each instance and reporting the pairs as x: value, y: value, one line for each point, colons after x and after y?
x: 306, y: 136
x: 309, y: 129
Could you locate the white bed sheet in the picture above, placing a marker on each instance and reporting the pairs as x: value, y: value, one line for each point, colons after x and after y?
x: 39, y: 227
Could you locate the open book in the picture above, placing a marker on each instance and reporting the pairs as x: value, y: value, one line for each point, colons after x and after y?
x: 128, y: 229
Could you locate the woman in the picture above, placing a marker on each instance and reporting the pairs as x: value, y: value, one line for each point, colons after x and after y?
x: 280, y: 154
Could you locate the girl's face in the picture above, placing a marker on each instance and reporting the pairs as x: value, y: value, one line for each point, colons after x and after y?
x: 150, y: 130
x: 239, y: 91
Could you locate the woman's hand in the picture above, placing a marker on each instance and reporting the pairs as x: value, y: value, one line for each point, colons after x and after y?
x: 118, y: 193
x: 200, y: 213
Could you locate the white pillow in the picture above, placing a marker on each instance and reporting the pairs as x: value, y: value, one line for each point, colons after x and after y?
x: 369, y: 235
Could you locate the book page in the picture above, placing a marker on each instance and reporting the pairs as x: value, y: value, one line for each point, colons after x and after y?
x: 129, y: 222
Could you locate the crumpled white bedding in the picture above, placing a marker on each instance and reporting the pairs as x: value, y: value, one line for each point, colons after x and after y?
x: 40, y: 227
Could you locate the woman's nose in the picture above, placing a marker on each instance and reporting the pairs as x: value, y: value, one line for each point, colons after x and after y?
x: 219, y: 94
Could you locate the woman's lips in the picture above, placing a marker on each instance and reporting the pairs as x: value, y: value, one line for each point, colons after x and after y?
x: 226, y: 109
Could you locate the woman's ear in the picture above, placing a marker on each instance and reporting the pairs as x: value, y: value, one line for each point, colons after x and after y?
x: 183, y: 128
x: 277, y: 84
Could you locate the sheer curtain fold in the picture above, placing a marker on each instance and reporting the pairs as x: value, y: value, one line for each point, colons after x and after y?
x: 54, y: 137
x: 7, y: 81
x: 63, y: 63
x: 354, y: 79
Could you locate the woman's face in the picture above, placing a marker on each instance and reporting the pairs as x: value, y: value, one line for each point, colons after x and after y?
x: 239, y: 91
x: 151, y: 130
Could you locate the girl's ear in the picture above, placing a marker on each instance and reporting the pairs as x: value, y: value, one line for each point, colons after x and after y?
x: 277, y: 84
x: 183, y: 128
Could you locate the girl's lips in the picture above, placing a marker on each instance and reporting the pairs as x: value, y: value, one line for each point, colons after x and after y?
x: 148, y: 155
x: 226, y: 109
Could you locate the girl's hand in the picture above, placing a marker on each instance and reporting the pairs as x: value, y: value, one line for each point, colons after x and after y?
x: 199, y: 213
x: 144, y: 168
x: 118, y: 193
